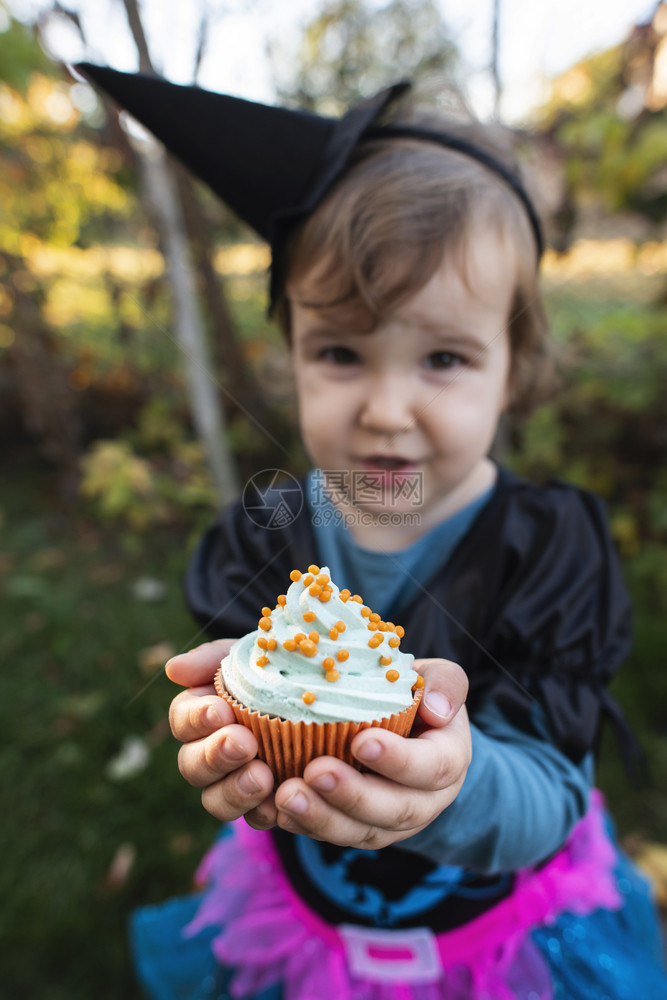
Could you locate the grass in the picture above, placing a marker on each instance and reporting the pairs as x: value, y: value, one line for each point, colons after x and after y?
x: 81, y: 846
x: 84, y: 845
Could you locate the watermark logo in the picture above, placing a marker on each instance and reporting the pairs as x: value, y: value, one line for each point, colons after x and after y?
x: 272, y: 498
x: 368, y: 489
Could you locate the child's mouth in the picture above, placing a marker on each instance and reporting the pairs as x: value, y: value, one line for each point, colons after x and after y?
x: 387, y: 463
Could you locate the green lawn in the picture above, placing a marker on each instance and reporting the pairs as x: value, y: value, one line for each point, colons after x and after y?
x: 74, y: 693
x: 83, y: 843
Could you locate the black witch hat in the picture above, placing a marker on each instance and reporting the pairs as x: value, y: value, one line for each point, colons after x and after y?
x: 272, y: 166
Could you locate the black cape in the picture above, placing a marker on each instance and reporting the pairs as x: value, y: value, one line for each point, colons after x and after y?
x: 531, y: 603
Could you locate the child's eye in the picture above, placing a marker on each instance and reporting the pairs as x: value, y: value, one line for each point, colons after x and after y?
x: 439, y: 360
x: 339, y: 355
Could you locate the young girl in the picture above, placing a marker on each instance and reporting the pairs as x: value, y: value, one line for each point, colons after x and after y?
x: 473, y: 861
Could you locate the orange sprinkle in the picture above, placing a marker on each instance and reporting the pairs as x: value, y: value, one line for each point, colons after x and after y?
x: 333, y: 633
x: 392, y: 675
x: 309, y: 616
x: 342, y: 655
x: 262, y: 642
x: 313, y: 569
x: 340, y: 626
x: 289, y: 645
x: 371, y: 626
x: 300, y: 636
x: 344, y: 596
x: 266, y: 612
x: 295, y: 575
x: 262, y: 661
x: 308, y: 697
x: 385, y: 660
x: 374, y: 616
x: 419, y: 683
x: 332, y: 675
x: 282, y: 600
x: 315, y: 590
x: 394, y: 641
x: 390, y: 626
x: 328, y: 662
x: 382, y: 626
x: 314, y: 636
x: 355, y: 597
x: 326, y: 595
x: 323, y: 579
x: 307, y: 580
x: 400, y: 631
x: 365, y: 612
x: 307, y: 647
x: 345, y: 592
x: 265, y: 624
x: 271, y: 643
x: 375, y: 641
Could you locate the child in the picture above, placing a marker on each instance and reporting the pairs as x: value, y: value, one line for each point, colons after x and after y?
x: 474, y: 860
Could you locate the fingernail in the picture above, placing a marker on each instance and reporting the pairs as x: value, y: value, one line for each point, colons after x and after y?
x: 232, y: 751
x: 297, y: 803
x: 438, y: 704
x: 248, y: 785
x: 212, y: 717
x: 324, y: 783
x: 370, y: 750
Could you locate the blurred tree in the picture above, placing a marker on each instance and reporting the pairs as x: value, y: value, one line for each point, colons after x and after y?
x: 607, y: 119
x: 353, y: 48
x: 54, y: 184
x: 204, y: 401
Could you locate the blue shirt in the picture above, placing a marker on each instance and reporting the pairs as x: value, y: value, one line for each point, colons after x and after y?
x: 521, y: 795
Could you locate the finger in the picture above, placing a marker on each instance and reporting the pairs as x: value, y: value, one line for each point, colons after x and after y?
x: 264, y: 816
x: 198, y: 665
x: 245, y: 791
x: 445, y: 690
x: 432, y: 761
x: 302, y: 810
x: 198, y: 712
x: 203, y: 762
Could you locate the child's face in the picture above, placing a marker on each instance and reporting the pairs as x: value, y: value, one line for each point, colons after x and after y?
x: 420, y: 395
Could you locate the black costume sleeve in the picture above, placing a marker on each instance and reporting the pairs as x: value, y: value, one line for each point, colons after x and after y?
x: 242, y: 564
x: 541, y: 610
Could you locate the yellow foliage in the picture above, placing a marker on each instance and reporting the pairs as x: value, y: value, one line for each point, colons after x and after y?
x: 243, y: 258
x: 625, y: 532
x: 49, y: 103
x: 6, y: 335
x: 69, y: 302
x: 574, y: 85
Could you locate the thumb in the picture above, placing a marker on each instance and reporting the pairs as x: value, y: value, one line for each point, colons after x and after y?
x: 198, y: 665
x: 445, y: 690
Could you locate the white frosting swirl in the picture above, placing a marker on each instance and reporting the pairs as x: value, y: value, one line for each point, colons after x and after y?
x: 362, y: 692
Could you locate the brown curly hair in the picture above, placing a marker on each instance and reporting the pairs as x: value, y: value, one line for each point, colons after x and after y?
x: 402, y: 207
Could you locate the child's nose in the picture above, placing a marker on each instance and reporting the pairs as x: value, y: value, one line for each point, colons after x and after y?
x: 389, y: 404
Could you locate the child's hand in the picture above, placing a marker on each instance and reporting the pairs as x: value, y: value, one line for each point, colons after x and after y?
x: 413, y: 779
x: 217, y: 755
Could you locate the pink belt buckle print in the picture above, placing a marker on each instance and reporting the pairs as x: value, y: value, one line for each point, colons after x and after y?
x: 408, y: 956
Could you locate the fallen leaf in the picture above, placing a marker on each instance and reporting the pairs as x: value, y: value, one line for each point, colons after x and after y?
x: 154, y: 657
x: 148, y: 589
x: 131, y: 759
x: 121, y: 866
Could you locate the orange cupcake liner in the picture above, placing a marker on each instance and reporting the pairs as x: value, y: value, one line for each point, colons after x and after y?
x: 287, y: 747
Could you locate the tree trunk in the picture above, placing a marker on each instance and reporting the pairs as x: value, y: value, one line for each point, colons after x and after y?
x: 202, y: 384
x: 207, y: 414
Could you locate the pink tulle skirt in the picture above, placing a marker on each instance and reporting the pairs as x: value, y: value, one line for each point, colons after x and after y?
x: 268, y: 935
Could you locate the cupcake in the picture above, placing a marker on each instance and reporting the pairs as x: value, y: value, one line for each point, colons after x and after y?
x: 320, y: 667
